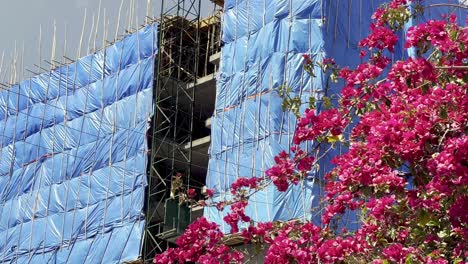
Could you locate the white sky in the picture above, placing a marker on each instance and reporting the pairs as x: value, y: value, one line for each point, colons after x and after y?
x: 20, y: 21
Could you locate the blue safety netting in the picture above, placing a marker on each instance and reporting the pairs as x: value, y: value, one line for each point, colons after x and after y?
x: 73, y: 156
x: 264, y: 41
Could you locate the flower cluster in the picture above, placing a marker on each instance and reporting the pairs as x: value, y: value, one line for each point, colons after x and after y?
x: 235, y: 215
x: 191, y: 193
x: 202, y: 243
x: 243, y: 182
x: 307, y: 59
x: 407, y: 156
x: 381, y: 38
x: 282, y: 173
x: 303, y: 160
x: 446, y: 36
x: 397, y: 252
x: 405, y: 171
x: 209, y: 193
x: 311, y: 125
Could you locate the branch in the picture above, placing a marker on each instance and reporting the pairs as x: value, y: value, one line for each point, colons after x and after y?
x: 452, y: 67
x: 448, y: 5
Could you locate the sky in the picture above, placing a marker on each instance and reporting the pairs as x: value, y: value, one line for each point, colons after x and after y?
x: 29, y: 24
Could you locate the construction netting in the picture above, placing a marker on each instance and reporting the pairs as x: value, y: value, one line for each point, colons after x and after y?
x: 73, y: 157
x: 264, y: 43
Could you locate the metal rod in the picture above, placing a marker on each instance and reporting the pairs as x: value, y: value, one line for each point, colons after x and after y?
x: 118, y: 20
x: 78, y: 55
x: 97, y: 25
x: 54, y: 43
x: 90, y: 35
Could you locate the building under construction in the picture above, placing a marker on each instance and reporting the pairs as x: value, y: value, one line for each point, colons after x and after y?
x: 95, y: 154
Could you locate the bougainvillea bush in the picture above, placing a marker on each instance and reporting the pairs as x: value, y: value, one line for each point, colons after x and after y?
x: 405, y: 174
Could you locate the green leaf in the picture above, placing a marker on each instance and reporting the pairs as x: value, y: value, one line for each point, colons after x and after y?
x: 423, y: 218
x: 465, y: 78
x: 333, y: 77
x: 442, y: 234
x: 453, y: 35
x: 319, y: 139
x: 443, y: 113
x: 333, y: 139
x: 312, y: 102
x: 393, y: 233
x: 432, y: 223
x: 327, y: 102
x: 425, y: 87
x: 284, y: 106
x: 310, y: 70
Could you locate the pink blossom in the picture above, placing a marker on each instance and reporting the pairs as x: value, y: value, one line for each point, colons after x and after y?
x: 381, y: 38
x: 307, y: 59
x: 209, y: 193
x: 397, y: 253
x: 236, y: 215
x: 404, y: 170
x: 191, y: 193
x: 243, y: 182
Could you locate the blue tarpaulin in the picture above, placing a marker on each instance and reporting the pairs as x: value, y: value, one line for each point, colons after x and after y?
x: 73, y: 156
x: 264, y: 41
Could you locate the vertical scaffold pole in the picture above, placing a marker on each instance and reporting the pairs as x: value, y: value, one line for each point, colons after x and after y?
x: 177, y: 69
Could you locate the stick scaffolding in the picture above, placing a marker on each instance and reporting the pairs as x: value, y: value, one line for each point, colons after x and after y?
x: 177, y: 67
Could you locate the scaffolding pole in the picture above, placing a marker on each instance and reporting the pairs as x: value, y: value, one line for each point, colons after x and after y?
x: 173, y: 121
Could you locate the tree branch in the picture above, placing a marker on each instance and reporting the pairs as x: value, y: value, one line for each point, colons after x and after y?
x: 448, y: 5
x: 452, y: 67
